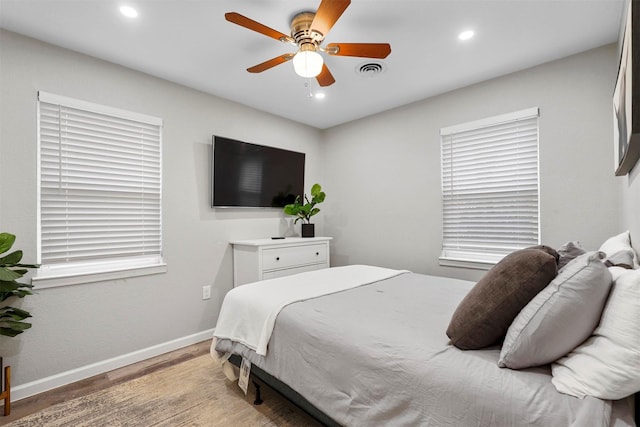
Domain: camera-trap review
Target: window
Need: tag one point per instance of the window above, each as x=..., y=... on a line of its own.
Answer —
x=489, y=188
x=99, y=195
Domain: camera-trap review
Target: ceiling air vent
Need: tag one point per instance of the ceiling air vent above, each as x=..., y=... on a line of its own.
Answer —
x=370, y=69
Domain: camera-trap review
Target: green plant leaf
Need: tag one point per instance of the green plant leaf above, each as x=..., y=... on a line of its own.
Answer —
x=8, y=332
x=6, y=295
x=28, y=265
x=12, y=259
x=6, y=241
x=12, y=328
x=14, y=289
x=8, y=275
x=11, y=318
x=291, y=209
x=9, y=286
x=18, y=293
x=17, y=326
x=12, y=313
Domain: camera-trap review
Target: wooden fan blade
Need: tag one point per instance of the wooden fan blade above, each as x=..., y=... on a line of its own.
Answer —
x=270, y=63
x=328, y=13
x=364, y=50
x=243, y=21
x=325, y=78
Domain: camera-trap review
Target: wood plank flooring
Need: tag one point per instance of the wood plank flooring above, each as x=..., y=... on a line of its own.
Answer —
x=35, y=404
x=40, y=401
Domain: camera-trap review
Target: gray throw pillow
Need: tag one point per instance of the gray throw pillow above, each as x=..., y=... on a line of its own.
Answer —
x=568, y=252
x=560, y=317
x=484, y=315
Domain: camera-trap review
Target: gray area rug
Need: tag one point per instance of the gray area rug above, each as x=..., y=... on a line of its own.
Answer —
x=192, y=393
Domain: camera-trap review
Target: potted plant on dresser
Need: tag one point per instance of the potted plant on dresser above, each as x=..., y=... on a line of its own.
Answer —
x=11, y=318
x=305, y=211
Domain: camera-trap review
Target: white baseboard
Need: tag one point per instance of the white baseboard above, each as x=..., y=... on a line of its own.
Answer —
x=29, y=389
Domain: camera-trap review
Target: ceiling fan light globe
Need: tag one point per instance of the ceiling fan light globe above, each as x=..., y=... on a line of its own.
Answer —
x=307, y=63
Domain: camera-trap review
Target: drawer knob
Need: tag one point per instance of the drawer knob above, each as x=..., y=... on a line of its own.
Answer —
x=277, y=258
x=317, y=253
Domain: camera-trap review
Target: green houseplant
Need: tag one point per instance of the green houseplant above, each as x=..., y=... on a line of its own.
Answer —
x=11, y=318
x=305, y=211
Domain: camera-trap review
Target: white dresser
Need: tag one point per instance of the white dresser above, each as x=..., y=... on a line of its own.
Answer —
x=261, y=259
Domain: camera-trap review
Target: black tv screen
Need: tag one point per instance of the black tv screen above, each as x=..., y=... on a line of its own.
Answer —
x=250, y=175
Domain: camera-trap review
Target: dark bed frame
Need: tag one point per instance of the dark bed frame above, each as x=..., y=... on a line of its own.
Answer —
x=292, y=396
x=285, y=391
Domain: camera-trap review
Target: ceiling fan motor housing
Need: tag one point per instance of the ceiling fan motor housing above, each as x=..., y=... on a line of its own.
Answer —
x=305, y=38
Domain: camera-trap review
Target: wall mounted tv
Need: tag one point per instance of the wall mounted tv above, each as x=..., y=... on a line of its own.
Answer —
x=250, y=175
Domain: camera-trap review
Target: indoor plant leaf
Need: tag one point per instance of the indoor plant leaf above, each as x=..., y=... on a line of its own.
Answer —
x=6, y=241
x=14, y=289
x=9, y=285
x=11, y=328
x=17, y=326
x=8, y=275
x=8, y=289
x=8, y=332
x=12, y=259
x=11, y=269
x=12, y=313
x=28, y=266
x=18, y=293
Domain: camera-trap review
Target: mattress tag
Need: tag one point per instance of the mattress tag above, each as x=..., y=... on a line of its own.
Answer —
x=245, y=370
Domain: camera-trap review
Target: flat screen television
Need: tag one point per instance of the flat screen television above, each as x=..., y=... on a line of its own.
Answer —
x=257, y=176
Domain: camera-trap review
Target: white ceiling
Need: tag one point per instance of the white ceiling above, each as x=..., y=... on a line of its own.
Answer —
x=190, y=42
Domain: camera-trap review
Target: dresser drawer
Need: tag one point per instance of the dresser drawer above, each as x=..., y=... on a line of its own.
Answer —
x=289, y=271
x=277, y=258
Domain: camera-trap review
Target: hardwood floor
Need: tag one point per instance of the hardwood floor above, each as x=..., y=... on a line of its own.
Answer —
x=41, y=401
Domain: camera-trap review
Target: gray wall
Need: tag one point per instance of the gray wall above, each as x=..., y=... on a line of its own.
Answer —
x=74, y=326
x=383, y=172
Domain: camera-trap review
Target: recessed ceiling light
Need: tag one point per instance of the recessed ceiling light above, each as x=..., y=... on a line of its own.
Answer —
x=319, y=95
x=128, y=11
x=465, y=35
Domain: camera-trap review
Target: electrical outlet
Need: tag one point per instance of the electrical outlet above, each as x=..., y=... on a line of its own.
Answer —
x=206, y=292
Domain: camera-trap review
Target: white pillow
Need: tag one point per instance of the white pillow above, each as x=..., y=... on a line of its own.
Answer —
x=618, y=243
x=607, y=364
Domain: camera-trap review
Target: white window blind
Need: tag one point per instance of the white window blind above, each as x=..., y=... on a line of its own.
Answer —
x=100, y=185
x=490, y=187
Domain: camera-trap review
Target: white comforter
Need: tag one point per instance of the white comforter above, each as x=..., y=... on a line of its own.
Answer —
x=249, y=312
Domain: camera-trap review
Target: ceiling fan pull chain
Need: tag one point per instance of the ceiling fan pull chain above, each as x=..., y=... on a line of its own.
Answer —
x=307, y=84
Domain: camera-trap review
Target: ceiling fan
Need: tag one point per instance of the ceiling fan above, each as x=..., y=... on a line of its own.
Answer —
x=308, y=31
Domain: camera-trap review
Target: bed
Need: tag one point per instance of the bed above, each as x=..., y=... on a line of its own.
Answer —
x=375, y=352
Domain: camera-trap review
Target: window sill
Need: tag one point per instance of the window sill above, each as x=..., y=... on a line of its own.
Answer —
x=466, y=263
x=54, y=280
